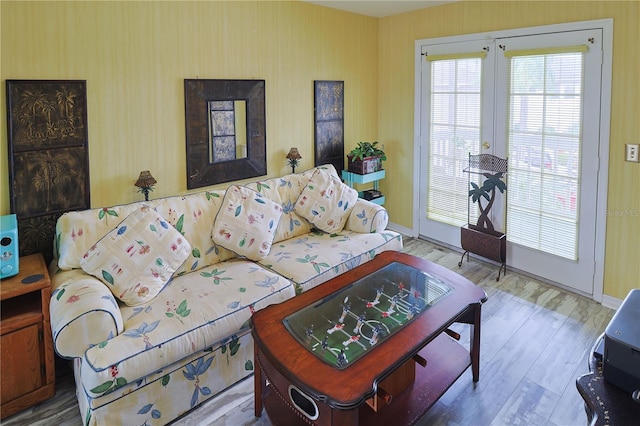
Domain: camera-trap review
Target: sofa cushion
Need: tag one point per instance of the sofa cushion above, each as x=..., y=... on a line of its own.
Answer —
x=285, y=191
x=246, y=222
x=138, y=257
x=193, y=216
x=195, y=311
x=314, y=258
x=77, y=231
x=326, y=202
x=329, y=168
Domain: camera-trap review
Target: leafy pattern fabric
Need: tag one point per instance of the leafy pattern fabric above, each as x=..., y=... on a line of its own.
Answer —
x=246, y=223
x=163, y=395
x=193, y=215
x=77, y=231
x=285, y=191
x=314, y=258
x=326, y=202
x=367, y=217
x=138, y=257
x=194, y=311
x=83, y=312
x=150, y=363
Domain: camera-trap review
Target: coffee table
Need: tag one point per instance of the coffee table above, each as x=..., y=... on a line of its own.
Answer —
x=371, y=346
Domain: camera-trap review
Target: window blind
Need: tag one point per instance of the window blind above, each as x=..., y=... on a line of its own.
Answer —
x=546, y=51
x=455, y=108
x=453, y=56
x=544, y=137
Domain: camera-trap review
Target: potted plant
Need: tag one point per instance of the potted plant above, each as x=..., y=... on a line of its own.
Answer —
x=365, y=158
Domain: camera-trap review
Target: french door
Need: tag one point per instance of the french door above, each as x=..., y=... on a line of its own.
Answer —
x=534, y=99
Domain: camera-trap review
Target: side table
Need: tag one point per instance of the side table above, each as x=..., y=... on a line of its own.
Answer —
x=351, y=178
x=604, y=403
x=26, y=344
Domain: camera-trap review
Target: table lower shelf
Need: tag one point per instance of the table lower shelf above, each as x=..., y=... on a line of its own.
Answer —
x=446, y=361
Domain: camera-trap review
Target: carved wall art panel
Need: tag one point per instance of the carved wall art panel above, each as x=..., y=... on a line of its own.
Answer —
x=48, y=156
x=329, y=123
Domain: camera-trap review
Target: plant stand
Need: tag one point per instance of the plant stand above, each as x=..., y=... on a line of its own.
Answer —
x=490, y=246
x=353, y=178
x=482, y=239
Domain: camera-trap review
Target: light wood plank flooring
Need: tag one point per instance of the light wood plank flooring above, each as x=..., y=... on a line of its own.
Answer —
x=535, y=343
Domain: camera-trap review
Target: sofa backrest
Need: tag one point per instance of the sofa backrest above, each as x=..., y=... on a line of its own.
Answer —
x=285, y=190
x=77, y=231
x=193, y=215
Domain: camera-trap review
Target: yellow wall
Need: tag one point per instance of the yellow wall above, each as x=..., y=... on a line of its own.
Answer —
x=397, y=35
x=136, y=55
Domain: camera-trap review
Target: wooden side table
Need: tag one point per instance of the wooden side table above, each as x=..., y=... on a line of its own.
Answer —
x=26, y=344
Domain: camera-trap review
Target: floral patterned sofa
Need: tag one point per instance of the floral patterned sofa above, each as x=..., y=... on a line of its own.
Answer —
x=151, y=300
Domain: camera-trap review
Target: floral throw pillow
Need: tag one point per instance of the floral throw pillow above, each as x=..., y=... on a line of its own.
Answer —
x=138, y=257
x=326, y=202
x=246, y=223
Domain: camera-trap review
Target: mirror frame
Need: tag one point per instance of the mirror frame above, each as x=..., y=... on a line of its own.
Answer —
x=200, y=171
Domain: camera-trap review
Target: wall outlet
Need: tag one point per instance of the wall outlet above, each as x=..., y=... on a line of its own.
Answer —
x=631, y=153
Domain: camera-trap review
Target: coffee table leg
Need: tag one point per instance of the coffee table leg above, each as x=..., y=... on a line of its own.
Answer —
x=475, y=343
x=258, y=383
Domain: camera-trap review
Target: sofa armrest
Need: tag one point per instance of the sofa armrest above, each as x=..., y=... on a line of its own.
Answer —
x=83, y=313
x=367, y=217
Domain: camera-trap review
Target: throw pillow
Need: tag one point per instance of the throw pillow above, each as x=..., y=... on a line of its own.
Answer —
x=246, y=223
x=138, y=257
x=326, y=202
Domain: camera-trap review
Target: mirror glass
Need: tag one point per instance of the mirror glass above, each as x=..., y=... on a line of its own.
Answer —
x=226, y=131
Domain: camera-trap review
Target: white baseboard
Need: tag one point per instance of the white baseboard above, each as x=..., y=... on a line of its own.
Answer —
x=401, y=229
x=607, y=301
x=611, y=302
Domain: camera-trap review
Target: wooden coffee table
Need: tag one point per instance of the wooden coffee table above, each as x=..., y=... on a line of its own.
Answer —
x=393, y=377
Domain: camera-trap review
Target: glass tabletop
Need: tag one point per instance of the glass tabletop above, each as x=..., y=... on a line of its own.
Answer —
x=345, y=325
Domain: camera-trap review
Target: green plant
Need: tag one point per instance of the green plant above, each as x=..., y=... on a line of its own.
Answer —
x=488, y=192
x=367, y=149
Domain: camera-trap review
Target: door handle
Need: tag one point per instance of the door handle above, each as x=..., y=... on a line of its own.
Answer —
x=486, y=145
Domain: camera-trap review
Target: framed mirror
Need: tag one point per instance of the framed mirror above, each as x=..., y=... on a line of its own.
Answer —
x=226, y=130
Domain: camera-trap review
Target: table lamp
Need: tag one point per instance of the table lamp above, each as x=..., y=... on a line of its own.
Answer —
x=293, y=156
x=145, y=182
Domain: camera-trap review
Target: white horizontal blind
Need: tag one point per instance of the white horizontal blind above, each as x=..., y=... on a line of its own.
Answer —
x=544, y=138
x=454, y=132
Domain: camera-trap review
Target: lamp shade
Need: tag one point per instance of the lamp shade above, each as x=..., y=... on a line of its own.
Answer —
x=293, y=154
x=145, y=180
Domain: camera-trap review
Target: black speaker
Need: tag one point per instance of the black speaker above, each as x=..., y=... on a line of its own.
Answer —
x=9, y=257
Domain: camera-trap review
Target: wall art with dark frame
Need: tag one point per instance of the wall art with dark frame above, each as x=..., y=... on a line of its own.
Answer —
x=48, y=157
x=218, y=151
x=329, y=123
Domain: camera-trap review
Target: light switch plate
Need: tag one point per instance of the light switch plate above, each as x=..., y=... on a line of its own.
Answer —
x=631, y=153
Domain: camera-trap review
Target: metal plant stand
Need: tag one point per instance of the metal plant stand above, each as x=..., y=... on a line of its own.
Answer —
x=481, y=238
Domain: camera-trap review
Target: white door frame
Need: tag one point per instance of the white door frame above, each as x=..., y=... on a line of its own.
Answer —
x=606, y=25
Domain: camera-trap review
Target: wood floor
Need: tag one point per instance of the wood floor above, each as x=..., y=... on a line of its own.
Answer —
x=535, y=343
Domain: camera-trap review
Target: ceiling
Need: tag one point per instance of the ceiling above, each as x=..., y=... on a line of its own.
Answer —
x=378, y=8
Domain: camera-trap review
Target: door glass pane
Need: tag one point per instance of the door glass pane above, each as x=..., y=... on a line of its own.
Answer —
x=545, y=99
x=454, y=132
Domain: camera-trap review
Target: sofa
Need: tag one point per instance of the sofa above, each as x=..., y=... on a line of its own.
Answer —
x=151, y=300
